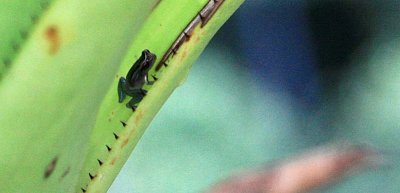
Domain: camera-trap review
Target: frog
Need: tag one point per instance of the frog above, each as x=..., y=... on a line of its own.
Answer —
x=136, y=78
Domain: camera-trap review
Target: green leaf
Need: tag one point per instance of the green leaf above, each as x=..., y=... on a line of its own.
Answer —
x=16, y=21
x=53, y=88
x=54, y=82
x=157, y=35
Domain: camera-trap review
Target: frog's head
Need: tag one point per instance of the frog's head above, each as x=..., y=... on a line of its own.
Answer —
x=149, y=59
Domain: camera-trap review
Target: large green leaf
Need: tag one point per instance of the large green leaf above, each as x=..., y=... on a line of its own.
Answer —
x=57, y=64
x=53, y=88
x=157, y=34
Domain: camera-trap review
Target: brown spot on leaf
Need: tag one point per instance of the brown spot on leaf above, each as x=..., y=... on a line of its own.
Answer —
x=124, y=143
x=113, y=161
x=139, y=116
x=50, y=168
x=184, y=54
x=65, y=173
x=52, y=35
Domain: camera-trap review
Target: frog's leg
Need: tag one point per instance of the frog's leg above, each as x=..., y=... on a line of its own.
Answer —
x=148, y=82
x=143, y=92
x=121, y=90
x=136, y=98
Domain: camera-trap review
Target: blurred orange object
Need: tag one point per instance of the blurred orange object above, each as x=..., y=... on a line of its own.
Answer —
x=303, y=173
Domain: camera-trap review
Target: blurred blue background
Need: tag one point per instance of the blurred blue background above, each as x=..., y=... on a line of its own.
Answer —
x=279, y=78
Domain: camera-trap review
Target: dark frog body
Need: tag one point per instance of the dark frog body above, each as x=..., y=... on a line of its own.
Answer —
x=136, y=78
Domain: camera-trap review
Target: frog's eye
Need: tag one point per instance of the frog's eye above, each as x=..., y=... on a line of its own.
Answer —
x=146, y=52
x=149, y=57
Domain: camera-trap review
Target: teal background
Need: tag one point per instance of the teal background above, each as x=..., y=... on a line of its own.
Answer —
x=212, y=125
x=300, y=75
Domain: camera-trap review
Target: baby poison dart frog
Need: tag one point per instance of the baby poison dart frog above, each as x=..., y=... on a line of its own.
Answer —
x=136, y=78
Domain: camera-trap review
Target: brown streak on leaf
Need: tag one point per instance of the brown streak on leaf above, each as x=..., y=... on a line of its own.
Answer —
x=124, y=143
x=114, y=160
x=139, y=116
x=53, y=37
x=50, y=168
x=184, y=54
x=65, y=173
